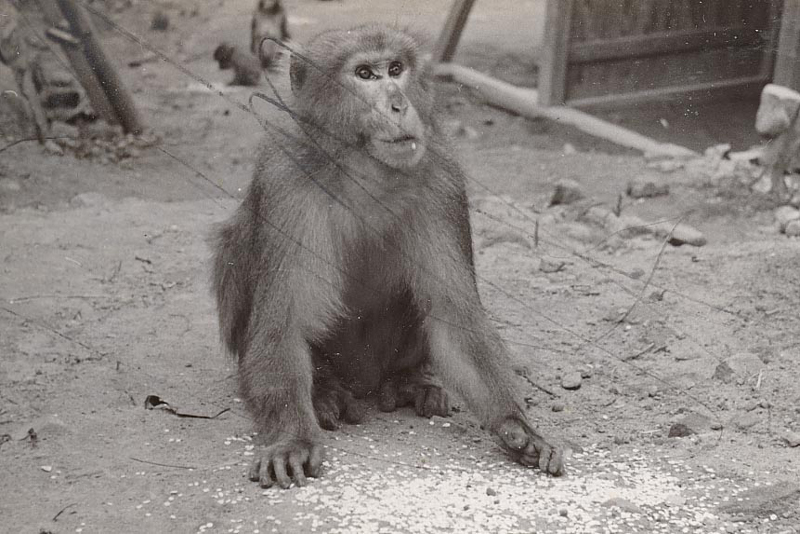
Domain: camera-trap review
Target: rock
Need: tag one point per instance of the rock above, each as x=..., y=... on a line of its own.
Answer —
x=558, y=406
x=785, y=214
x=666, y=165
x=160, y=21
x=772, y=499
x=681, y=234
x=723, y=373
x=549, y=266
x=745, y=363
x=679, y=430
x=504, y=235
x=777, y=109
x=491, y=492
x=745, y=421
x=569, y=149
x=646, y=189
x=792, y=439
x=566, y=192
x=623, y=504
x=9, y=185
x=571, y=380
x=52, y=148
x=696, y=423
x=792, y=228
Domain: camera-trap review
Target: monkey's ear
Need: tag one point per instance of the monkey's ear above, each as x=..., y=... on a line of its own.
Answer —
x=297, y=72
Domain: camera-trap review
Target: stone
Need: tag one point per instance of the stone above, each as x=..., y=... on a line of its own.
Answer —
x=785, y=214
x=723, y=373
x=566, y=192
x=777, y=109
x=792, y=439
x=745, y=421
x=571, y=380
x=646, y=189
x=792, y=228
x=773, y=499
x=679, y=430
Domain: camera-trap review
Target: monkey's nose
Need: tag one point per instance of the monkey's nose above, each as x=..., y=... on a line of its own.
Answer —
x=398, y=104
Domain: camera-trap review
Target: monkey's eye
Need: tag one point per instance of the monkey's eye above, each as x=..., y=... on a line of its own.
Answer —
x=395, y=69
x=364, y=72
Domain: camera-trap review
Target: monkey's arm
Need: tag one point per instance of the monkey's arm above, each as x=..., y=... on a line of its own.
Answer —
x=467, y=351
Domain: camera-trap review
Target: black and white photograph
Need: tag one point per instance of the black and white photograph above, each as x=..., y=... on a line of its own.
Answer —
x=400, y=266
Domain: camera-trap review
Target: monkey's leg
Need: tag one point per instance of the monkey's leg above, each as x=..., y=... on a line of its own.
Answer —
x=333, y=403
x=469, y=356
x=275, y=378
x=418, y=386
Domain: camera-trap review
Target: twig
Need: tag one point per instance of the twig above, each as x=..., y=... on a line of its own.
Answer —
x=163, y=465
x=641, y=352
x=55, y=517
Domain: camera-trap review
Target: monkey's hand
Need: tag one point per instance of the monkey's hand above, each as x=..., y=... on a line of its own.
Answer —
x=527, y=447
x=287, y=461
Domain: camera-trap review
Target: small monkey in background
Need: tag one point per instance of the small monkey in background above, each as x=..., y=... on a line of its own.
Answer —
x=269, y=22
x=246, y=69
x=348, y=268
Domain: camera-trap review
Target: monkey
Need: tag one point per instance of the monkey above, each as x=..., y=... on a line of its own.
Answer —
x=347, y=271
x=246, y=69
x=269, y=22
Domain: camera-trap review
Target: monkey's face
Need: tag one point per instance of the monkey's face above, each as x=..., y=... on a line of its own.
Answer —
x=389, y=121
x=365, y=87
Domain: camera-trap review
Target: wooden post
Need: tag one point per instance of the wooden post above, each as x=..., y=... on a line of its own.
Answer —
x=787, y=64
x=83, y=71
x=118, y=97
x=555, y=55
x=446, y=45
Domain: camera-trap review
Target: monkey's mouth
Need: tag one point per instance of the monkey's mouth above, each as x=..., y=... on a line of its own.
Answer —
x=402, y=142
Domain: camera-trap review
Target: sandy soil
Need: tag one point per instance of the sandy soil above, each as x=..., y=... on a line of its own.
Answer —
x=104, y=301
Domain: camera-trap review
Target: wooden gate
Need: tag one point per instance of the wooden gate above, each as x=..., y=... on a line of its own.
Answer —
x=622, y=51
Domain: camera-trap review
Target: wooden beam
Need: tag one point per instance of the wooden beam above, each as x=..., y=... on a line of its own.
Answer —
x=655, y=44
x=747, y=86
x=118, y=97
x=83, y=71
x=553, y=64
x=446, y=45
x=787, y=64
x=525, y=103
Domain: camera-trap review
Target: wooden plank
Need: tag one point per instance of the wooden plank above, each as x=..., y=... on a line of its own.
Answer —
x=748, y=85
x=445, y=47
x=525, y=102
x=83, y=71
x=118, y=97
x=553, y=64
x=787, y=63
x=654, y=44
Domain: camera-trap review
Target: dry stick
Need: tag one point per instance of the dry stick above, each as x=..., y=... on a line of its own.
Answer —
x=162, y=465
x=55, y=517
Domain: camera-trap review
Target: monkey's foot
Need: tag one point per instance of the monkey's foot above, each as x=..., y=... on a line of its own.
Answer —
x=285, y=462
x=429, y=399
x=527, y=447
x=333, y=404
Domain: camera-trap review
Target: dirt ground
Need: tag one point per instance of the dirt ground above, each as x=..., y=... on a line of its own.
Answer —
x=687, y=408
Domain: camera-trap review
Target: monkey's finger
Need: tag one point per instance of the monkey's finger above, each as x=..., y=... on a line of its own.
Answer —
x=253, y=473
x=296, y=461
x=281, y=476
x=556, y=464
x=264, y=478
x=314, y=462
